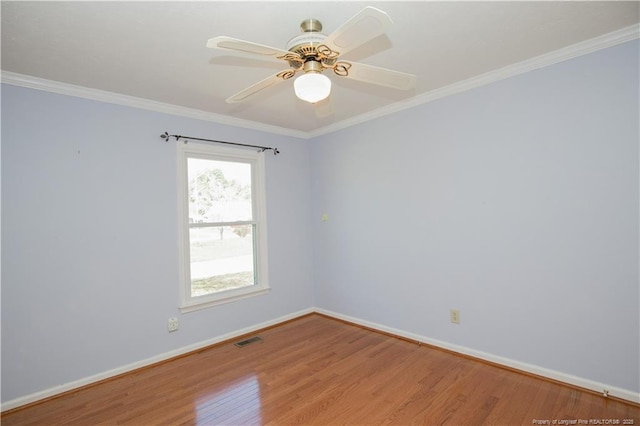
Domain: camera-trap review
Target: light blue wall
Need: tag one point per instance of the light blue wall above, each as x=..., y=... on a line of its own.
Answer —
x=89, y=238
x=516, y=203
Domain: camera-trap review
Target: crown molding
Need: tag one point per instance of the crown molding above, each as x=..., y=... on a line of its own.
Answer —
x=572, y=51
x=37, y=83
x=582, y=48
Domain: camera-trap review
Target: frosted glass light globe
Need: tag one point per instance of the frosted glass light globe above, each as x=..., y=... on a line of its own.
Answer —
x=312, y=87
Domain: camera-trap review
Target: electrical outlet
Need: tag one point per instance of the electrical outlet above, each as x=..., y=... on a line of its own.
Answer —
x=455, y=316
x=172, y=324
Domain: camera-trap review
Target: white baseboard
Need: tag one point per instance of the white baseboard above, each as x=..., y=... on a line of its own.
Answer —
x=517, y=365
x=145, y=362
x=529, y=368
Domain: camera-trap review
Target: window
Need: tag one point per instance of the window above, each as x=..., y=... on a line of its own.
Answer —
x=223, y=252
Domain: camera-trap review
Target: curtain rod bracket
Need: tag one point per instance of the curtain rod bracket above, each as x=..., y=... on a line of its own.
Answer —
x=166, y=136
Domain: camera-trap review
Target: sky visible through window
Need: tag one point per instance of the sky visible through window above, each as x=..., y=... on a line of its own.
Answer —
x=240, y=172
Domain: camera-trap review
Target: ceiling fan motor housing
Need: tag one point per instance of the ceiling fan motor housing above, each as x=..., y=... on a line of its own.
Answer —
x=306, y=44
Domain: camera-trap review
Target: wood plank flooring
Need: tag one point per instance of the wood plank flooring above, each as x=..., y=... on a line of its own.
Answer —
x=319, y=371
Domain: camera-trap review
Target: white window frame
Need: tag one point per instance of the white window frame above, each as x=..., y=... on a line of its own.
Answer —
x=258, y=194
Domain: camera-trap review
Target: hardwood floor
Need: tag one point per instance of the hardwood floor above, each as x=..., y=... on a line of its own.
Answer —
x=319, y=371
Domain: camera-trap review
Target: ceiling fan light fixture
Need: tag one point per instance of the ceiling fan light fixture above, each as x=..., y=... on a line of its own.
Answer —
x=312, y=87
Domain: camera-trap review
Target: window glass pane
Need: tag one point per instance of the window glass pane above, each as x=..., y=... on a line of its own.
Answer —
x=221, y=258
x=219, y=191
x=222, y=219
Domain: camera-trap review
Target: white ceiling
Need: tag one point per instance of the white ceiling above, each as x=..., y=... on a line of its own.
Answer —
x=156, y=50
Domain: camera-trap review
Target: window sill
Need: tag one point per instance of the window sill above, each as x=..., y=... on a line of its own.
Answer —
x=222, y=298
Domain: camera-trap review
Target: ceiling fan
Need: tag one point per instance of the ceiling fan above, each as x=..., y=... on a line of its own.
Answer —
x=313, y=52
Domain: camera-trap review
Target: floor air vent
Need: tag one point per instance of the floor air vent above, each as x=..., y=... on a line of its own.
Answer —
x=243, y=343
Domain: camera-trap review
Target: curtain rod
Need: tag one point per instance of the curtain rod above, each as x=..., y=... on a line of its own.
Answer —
x=166, y=136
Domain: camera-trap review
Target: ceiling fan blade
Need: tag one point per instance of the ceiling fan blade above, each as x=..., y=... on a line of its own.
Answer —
x=381, y=76
x=366, y=25
x=242, y=46
x=242, y=95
